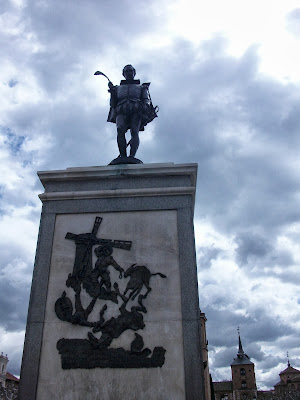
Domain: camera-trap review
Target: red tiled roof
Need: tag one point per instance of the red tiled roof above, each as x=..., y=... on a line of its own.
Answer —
x=11, y=377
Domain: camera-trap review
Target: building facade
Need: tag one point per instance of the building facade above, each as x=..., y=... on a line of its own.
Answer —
x=289, y=384
x=243, y=383
x=243, y=376
x=9, y=384
x=204, y=342
x=3, y=367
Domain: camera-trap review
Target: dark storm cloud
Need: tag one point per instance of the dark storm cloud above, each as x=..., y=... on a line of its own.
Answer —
x=224, y=357
x=253, y=249
x=269, y=361
x=264, y=328
x=250, y=245
x=71, y=32
x=290, y=343
x=257, y=326
x=206, y=255
x=14, y=303
x=90, y=23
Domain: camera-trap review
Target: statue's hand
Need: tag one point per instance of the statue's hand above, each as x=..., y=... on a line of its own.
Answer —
x=110, y=85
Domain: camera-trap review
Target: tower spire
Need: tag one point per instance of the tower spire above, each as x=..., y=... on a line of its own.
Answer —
x=287, y=354
x=241, y=358
x=241, y=351
x=243, y=375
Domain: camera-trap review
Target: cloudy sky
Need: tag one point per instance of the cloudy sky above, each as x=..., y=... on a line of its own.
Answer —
x=226, y=76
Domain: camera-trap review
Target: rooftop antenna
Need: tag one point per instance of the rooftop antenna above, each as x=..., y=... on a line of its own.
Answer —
x=287, y=354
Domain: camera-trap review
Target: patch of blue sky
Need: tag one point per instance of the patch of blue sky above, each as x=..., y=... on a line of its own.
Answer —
x=12, y=83
x=13, y=141
x=26, y=163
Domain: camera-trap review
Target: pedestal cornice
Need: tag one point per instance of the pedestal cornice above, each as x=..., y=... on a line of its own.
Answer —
x=166, y=179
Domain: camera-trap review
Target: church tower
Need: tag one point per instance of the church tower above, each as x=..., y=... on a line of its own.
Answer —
x=243, y=376
x=3, y=365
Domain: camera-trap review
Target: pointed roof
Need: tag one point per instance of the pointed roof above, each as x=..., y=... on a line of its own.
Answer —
x=289, y=370
x=241, y=351
x=242, y=358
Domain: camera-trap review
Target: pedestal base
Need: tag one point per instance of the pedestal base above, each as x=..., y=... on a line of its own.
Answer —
x=125, y=160
x=114, y=310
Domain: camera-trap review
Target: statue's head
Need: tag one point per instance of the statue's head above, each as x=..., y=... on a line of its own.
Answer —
x=103, y=251
x=129, y=72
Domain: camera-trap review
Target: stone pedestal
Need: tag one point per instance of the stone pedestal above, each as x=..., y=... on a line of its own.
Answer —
x=114, y=310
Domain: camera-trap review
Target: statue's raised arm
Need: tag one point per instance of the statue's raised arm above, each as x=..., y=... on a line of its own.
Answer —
x=131, y=109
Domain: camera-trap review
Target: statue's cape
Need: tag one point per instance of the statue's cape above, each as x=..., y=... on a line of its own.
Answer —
x=112, y=111
x=111, y=115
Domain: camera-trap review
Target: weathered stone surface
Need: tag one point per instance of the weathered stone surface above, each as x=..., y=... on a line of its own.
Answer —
x=155, y=245
x=152, y=206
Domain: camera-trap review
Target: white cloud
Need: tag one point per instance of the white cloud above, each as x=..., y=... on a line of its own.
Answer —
x=12, y=342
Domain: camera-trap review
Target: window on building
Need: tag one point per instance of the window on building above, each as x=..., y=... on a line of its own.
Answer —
x=244, y=384
x=244, y=396
x=2, y=368
x=243, y=371
x=224, y=397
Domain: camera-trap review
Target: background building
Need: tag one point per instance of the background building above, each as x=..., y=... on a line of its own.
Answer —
x=204, y=342
x=243, y=376
x=289, y=384
x=8, y=382
x=3, y=366
x=243, y=383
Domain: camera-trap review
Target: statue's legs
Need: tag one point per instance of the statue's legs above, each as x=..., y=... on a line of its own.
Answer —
x=123, y=122
x=134, y=130
x=121, y=129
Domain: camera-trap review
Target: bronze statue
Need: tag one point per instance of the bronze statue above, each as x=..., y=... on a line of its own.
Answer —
x=130, y=108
